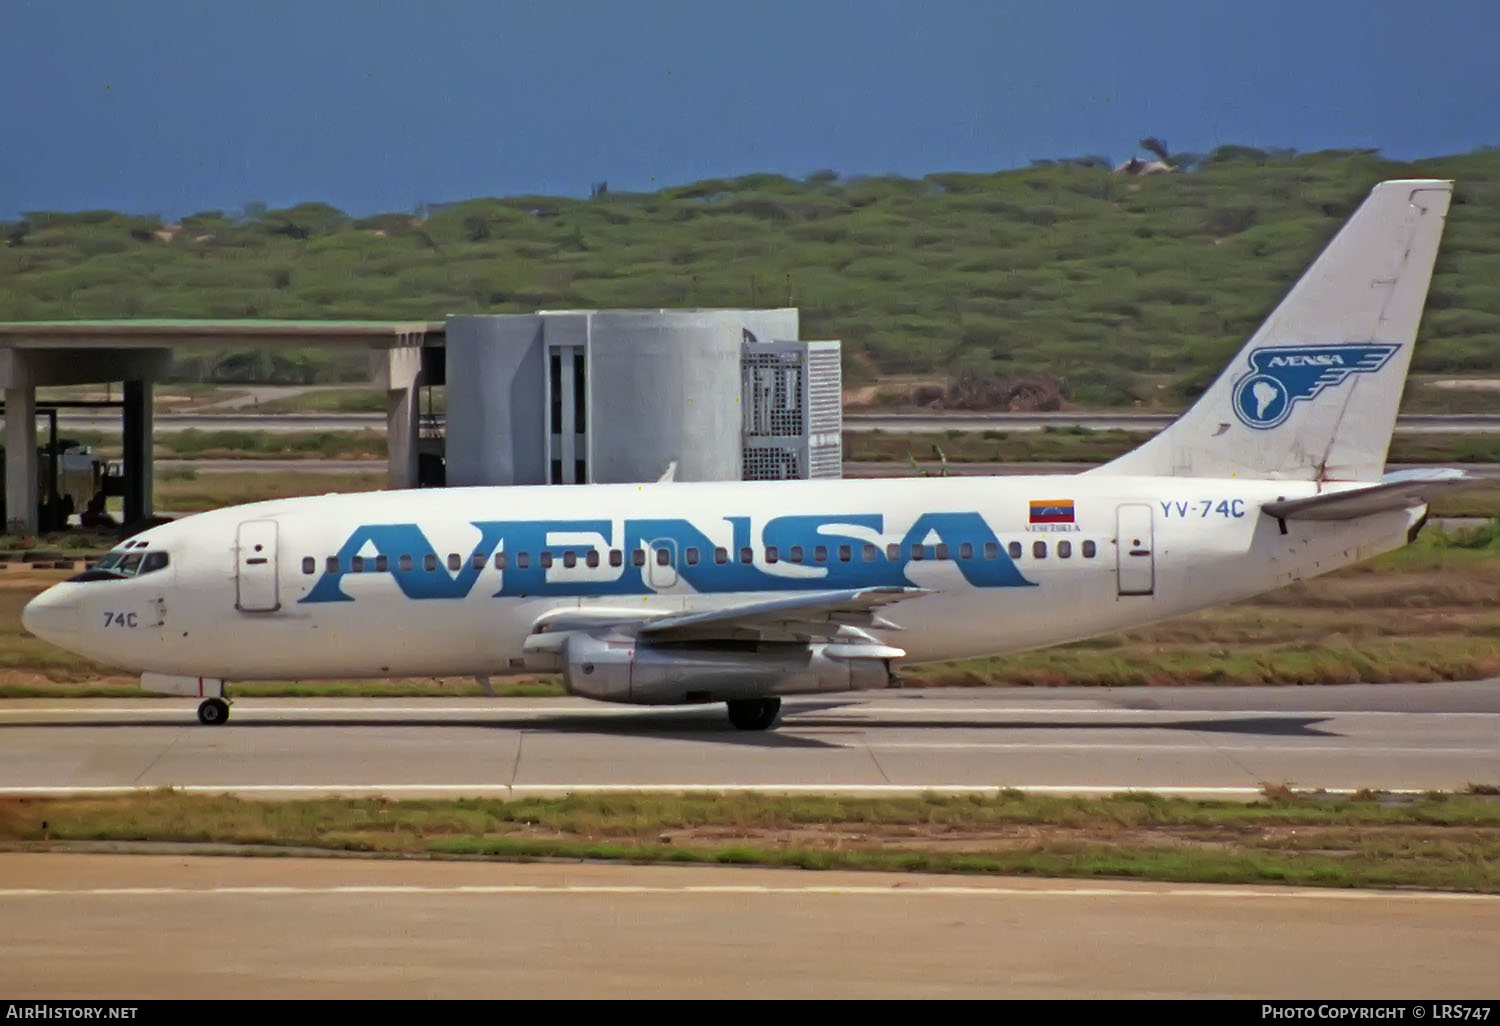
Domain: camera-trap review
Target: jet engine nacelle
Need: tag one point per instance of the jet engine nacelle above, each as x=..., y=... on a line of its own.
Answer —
x=621, y=670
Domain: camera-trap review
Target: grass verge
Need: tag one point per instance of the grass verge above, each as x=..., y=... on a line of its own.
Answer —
x=1437, y=841
x=190, y=494
x=1084, y=445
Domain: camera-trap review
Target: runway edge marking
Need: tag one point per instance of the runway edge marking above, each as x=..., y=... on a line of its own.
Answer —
x=561, y=789
x=755, y=889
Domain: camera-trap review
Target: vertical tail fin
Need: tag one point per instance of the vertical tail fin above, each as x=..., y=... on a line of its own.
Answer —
x=1313, y=394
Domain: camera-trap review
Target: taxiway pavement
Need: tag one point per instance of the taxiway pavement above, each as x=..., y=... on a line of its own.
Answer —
x=123, y=927
x=1208, y=741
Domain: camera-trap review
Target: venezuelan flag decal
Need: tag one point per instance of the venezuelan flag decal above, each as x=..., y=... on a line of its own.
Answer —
x=1051, y=511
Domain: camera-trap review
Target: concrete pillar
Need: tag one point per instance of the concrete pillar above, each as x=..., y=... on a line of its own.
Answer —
x=402, y=376
x=20, y=460
x=136, y=431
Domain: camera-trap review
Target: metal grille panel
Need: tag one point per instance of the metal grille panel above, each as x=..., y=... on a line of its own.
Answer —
x=793, y=410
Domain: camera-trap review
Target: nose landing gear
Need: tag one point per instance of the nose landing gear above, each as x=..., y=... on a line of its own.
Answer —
x=213, y=712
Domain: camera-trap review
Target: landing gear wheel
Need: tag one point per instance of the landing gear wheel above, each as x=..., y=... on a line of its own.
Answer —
x=754, y=713
x=213, y=712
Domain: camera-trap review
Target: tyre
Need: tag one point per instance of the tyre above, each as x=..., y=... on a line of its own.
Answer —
x=754, y=713
x=213, y=712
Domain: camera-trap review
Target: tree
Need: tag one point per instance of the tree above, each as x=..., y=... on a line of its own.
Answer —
x=1158, y=147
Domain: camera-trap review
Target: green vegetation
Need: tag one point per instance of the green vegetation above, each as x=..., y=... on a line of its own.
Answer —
x=194, y=444
x=1449, y=842
x=340, y=400
x=1129, y=290
x=1051, y=445
x=181, y=493
x=1083, y=445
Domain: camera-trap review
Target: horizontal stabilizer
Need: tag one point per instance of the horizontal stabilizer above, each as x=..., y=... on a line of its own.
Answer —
x=1396, y=491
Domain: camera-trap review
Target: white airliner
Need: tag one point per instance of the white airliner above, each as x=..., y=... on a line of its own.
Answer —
x=669, y=593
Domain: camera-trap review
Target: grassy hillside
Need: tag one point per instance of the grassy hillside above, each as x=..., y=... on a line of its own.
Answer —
x=1128, y=289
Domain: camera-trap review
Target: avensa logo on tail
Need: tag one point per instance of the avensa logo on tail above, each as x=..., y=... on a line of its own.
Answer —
x=1282, y=376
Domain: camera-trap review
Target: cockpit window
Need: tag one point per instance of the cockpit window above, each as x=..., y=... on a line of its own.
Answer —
x=117, y=566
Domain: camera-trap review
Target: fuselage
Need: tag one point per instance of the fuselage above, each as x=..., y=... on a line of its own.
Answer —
x=451, y=582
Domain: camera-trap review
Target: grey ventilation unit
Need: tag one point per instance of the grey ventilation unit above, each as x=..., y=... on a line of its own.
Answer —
x=793, y=411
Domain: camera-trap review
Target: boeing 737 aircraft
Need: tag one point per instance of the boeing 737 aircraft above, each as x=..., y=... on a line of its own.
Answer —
x=741, y=592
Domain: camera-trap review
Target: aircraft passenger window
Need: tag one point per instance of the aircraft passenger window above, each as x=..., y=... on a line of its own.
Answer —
x=403, y=563
x=158, y=560
x=591, y=558
x=1088, y=550
x=870, y=552
x=544, y=560
x=477, y=561
x=771, y=554
x=309, y=565
x=616, y=557
x=918, y=552
x=820, y=554
x=1039, y=549
x=500, y=561
x=332, y=565
x=845, y=554
x=454, y=562
x=570, y=559
x=692, y=557
x=942, y=552
x=966, y=550
x=794, y=554
x=1064, y=549
x=893, y=552
x=429, y=561
x=382, y=564
x=721, y=555
x=523, y=560
x=1014, y=548
x=992, y=550
x=747, y=555
x=663, y=557
x=357, y=565
x=638, y=557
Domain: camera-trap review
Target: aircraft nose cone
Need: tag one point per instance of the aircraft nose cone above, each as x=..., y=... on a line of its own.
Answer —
x=50, y=616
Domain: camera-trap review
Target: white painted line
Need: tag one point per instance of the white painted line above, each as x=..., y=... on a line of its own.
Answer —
x=49, y=790
x=1374, y=751
x=1111, y=711
x=243, y=708
x=136, y=709
x=898, y=891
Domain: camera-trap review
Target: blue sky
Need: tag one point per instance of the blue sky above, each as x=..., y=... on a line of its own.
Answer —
x=170, y=106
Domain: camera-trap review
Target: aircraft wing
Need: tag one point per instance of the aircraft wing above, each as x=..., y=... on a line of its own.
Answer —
x=1401, y=490
x=816, y=615
x=801, y=617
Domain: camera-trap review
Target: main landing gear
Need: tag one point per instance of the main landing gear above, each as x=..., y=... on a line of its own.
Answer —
x=754, y=713
x=213, y=712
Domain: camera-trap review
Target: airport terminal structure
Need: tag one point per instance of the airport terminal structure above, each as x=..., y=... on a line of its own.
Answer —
x=558, y=397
